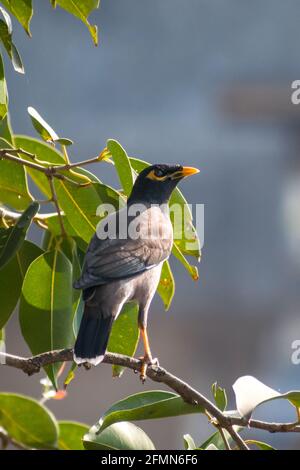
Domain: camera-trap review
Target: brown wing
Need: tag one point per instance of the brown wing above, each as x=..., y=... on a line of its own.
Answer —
x=149, y=243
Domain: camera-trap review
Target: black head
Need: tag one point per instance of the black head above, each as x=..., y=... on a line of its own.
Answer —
x=155, y=183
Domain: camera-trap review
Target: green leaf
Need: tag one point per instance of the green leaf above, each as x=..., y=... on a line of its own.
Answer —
x=251, y=393
x=41, y=126
x=70, y=375
x=109, y=195
x=13, y=238
x=192, y=270
x=52, y=222
x=216, y=440
x=45, y=153
x=22, y=10
x=185, y=234
x=2, y=340
x=6, y=38
x=219, y=396
x=122, y=165
x=6, y=132
x=119, y=436
x=2, y=334
x=76, y=272
x=125, y=334
x=166, y=286
x=48, y=309
x=27, y=421
x=82, y=9
x=63, y=141
x=148, y=405
x=211, y=447
x=13, y=183
x=3, y=91
x=78, y=316
x=261, y=445
x=80, y=205
x=11, y=278
x=71, y=435
x=189, y=443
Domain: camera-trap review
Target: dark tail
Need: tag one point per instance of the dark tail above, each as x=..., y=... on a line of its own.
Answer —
x=93, y=336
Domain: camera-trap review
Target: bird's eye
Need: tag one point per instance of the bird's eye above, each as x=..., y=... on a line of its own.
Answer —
x=159, y=173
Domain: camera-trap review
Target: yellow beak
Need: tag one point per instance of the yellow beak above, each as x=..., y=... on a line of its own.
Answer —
x=189, y=171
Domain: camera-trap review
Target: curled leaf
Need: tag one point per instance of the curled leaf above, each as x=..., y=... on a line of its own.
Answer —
x=250, y=393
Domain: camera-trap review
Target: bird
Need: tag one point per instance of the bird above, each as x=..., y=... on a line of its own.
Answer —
x=123, y=262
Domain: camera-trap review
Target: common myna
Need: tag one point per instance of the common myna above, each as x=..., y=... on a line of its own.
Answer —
x=125, y=265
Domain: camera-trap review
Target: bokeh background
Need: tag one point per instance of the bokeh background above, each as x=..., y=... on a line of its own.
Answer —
x=205, y=83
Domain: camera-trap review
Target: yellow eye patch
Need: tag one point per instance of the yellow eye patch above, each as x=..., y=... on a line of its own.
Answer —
x=154, y=177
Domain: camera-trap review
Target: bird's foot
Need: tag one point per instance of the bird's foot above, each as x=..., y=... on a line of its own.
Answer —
x=146, y=362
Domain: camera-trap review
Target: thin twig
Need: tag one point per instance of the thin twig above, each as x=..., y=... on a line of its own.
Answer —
x=21, y=161
x=17, y=151
x=68, y=166
x=225, y=440
x=266, y=426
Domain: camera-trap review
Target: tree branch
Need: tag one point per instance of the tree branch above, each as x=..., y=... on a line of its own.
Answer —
x=34, y=364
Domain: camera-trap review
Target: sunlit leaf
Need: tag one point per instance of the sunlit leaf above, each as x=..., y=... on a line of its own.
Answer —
x=80, y=205
x=122, y=165
x=3, y=92
x=82, y=9
x=219, y=396
x=41, y=126
x=70, y=375
x=166, y=286
x=22, y=10
x=192, y=270
x=14, y=190
x=6, y=38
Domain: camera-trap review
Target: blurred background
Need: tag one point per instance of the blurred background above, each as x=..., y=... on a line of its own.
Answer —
x=207, y=84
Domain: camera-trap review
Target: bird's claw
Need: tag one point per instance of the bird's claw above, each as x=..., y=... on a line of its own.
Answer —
x=146, y=362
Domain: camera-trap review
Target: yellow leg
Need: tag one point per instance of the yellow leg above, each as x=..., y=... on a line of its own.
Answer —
x=147, y=359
